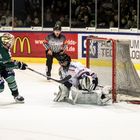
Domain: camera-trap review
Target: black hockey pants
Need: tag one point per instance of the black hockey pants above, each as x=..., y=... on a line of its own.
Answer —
x=49, y=61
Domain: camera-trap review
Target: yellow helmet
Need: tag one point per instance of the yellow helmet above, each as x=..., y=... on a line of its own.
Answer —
x=7, y=40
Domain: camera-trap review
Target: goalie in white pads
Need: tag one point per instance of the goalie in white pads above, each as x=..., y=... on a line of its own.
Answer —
x=83, y=84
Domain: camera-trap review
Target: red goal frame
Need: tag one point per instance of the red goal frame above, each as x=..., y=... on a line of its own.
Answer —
x=114, y=94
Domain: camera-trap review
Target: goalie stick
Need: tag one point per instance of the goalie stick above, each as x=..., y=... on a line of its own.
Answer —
x=58, y=81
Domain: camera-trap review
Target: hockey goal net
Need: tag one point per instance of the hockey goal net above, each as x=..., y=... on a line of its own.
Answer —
x=110, y=59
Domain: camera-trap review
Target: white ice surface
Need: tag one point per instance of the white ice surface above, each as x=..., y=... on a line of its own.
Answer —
x=39, y=118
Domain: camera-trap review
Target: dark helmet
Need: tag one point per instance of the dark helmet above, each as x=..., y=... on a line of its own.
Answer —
x=57, y=27
x=64, y=58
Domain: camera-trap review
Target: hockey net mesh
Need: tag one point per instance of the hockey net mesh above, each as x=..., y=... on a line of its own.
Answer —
x=110, y=59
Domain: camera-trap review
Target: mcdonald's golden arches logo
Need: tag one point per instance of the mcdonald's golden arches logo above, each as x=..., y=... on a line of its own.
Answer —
x=22, y=42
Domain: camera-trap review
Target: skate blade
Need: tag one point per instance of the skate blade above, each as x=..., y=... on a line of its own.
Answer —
x=19, y=102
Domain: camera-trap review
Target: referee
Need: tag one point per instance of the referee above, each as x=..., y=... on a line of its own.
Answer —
x=55, y=45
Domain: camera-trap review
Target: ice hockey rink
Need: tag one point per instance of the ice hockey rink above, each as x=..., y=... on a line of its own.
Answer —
x=39, y=118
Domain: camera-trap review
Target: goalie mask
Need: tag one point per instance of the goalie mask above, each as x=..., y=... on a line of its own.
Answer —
x=86, y=83
x=64, y=60
x=7, y=40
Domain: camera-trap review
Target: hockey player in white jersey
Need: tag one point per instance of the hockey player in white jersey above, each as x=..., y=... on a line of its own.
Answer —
x=83, y=85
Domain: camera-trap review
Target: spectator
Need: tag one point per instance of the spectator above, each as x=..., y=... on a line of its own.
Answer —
x=86, y=21
x=3, y=21
x=36, y=22
x=123, y=23
x=48, y=20
x=20, y=23
x=111, y=24
x=83, y=9
x=128, y=25
x=28, y=21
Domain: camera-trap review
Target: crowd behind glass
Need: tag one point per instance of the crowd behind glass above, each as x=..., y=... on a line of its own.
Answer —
x=123, y=14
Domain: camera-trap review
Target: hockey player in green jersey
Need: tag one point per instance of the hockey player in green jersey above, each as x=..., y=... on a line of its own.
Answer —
x=7, y=65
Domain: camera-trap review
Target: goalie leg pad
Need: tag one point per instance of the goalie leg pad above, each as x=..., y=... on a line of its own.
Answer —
x=63, y=93
x=85, y=97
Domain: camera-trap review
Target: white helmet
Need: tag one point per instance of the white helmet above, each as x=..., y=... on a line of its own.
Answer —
x=86, y=83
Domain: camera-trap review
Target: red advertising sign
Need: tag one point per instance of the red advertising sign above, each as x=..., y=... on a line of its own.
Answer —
x=29, y=44
x=72, y=40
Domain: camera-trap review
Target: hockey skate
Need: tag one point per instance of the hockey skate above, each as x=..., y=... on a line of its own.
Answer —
x=105, y=99
x=19, y=99
x=106, y=95
x=48, y=75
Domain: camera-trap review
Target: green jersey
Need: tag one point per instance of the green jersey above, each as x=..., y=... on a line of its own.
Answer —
x=5, y=58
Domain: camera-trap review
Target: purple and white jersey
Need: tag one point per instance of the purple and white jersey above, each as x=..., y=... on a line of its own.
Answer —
x=76, y=69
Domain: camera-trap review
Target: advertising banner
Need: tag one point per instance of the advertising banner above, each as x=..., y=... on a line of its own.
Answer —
x=93, y=48
x=29, y=44
x=72, y=40
x=135, y=49
x=104, y=50
x=98, y=49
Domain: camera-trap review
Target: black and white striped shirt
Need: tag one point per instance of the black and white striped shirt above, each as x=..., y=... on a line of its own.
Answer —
x=55, y=44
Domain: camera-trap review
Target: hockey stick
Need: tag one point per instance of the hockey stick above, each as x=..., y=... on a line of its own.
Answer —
x=59, y=81
x=100, y=86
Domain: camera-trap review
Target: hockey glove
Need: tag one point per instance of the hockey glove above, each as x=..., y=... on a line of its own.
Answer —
x=46, y=45
x=22, y=66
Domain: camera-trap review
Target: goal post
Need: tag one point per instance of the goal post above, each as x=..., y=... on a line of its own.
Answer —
x=110, y=59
